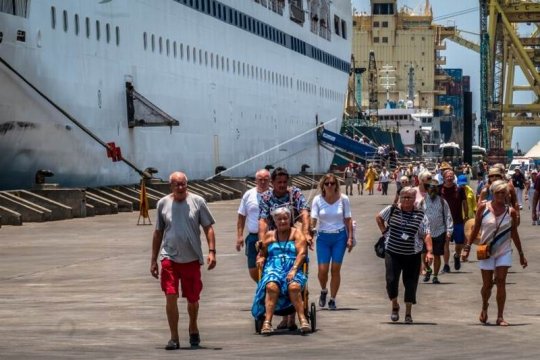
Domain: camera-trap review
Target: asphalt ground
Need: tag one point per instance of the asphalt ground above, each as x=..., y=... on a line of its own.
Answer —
x=81, y=289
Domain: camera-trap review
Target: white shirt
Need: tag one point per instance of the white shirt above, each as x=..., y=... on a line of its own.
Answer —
x=249, y=207
x=330, y=217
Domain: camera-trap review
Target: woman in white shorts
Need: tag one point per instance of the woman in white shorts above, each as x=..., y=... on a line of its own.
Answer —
x=498, y=224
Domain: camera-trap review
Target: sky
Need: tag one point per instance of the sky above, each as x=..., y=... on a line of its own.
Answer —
x=461, y=57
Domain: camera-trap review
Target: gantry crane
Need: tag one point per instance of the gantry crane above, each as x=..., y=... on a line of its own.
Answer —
x=502, y=50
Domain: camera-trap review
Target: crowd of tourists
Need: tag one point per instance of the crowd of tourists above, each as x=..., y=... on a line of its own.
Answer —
x=431, y=210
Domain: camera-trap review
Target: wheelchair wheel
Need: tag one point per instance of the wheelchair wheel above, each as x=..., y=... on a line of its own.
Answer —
x=258, y=325
x=313, y=317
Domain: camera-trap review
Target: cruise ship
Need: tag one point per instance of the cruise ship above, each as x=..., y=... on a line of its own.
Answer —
x=97, y=91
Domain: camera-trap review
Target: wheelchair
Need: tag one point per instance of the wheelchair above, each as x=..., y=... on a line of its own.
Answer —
x=310, y=310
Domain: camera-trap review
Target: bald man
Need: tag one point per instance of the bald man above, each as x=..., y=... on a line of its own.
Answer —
x=177, y=242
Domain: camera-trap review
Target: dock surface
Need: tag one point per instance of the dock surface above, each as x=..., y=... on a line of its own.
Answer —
x=81, y=289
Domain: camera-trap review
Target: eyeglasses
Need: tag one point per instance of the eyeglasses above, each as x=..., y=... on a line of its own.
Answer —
x=406, y=198
x=494, y=176
x=178, y=184
x=329, y=183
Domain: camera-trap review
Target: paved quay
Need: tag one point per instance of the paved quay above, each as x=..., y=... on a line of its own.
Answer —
x=81, y=289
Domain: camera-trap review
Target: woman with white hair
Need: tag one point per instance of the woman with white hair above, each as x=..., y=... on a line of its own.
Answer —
x=406, y=229
x=497, y=223
x=283, y=251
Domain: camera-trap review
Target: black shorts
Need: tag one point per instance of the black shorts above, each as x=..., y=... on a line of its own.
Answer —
x=438, y=244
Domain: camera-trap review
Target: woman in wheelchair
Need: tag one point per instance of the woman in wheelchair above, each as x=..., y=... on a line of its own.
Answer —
x=283, y=252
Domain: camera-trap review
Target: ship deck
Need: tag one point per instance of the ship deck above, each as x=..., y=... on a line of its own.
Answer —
x=81, y=289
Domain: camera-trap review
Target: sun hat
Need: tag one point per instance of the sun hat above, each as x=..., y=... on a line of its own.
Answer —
x=445, y=166
x=494, y=170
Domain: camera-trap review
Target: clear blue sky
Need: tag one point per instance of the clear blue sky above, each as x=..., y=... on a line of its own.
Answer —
x=460, y=57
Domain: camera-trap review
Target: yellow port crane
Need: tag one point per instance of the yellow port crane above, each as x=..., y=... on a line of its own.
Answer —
x=507, y=51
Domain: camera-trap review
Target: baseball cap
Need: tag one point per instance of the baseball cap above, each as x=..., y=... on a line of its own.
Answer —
x=462, y=180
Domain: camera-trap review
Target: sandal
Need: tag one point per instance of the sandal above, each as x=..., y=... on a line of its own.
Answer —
x=395, y=314
x=304, y=326
x=267, y=328
x=483, y=318
x=408, y=319
x=502, y=322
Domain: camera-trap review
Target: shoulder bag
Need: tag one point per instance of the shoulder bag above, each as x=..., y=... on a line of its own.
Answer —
x=379, y=246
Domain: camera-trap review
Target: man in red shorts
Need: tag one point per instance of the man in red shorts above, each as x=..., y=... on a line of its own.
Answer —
x=177, y=242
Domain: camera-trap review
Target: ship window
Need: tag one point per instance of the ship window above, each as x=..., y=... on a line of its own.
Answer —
x=376, y=39
x=174, y=49
x=194, y=55
x=181, y=51
x=160, y=44
x=219, y=11
x=385, y=24
x=98, y=30
x=117, y=36
x=234, y=66
x=145, y=40
x=227, y=64
x=206, y=58
x=76, y=24
x=187, y=52
x=337, y=23
x=197, y=5
x=168, y=47
x=244, y=69
x=200, y=57
x=87, y=23
x=65, y=18
x=375, y=24
x=344, y=29
x=223, y=63
x=153, y=42
x=108, y=33
x=385, y=39
x=53, y=17
x=213, y=8
x=235, y=18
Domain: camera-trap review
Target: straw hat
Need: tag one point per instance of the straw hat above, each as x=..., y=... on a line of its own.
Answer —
x=445, y=166
x=495, y=171
x=469, y=225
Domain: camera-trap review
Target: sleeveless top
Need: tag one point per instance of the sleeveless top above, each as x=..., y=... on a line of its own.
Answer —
x=503, y=242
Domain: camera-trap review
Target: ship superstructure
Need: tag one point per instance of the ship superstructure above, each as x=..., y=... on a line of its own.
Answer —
x=228, y=79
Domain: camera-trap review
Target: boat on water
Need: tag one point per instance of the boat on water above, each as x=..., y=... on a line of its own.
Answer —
x=98, y=90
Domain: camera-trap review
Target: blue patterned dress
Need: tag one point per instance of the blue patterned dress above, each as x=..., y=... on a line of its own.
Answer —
x=280, y=260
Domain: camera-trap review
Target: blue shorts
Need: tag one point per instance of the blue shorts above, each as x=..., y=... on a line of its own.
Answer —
x=458, y=236
x=251, y=251
x=331, y=246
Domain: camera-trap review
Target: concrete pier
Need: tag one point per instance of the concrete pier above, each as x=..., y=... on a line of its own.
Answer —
x=81, y=289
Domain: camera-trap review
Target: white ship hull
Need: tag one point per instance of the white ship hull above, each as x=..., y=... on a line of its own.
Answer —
x=225, y=117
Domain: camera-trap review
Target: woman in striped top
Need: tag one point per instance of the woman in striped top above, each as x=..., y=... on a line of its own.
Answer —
x=407, y=230
x=498, y=223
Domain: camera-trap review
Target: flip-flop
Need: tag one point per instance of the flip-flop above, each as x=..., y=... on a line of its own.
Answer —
x=502, y=322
